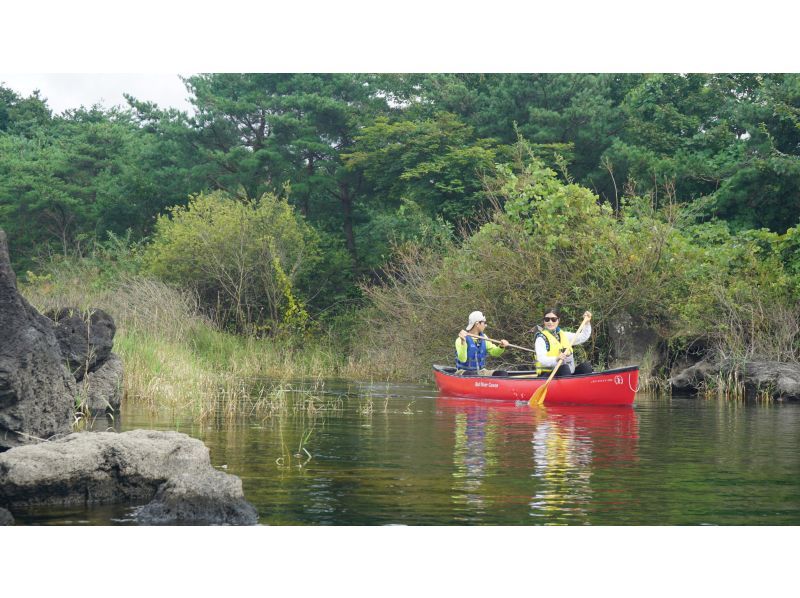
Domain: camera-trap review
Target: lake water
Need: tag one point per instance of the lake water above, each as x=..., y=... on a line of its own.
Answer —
x=378, y=454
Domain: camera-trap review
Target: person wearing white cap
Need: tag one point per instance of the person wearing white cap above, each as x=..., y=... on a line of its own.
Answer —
x=470, y=351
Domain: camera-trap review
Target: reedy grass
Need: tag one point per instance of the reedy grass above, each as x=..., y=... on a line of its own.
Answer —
x=724, y=386
x=176, y=360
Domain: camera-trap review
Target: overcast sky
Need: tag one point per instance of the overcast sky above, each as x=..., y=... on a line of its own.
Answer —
x=363, y=36
x=65, y=91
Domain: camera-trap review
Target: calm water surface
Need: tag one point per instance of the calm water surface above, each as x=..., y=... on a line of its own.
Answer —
x=361, y=454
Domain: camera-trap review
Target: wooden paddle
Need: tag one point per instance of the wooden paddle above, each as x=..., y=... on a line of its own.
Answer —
x=537, y=398
x=498, y=343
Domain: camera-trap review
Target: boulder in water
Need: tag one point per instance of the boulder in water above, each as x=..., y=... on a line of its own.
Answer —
x=86, y=468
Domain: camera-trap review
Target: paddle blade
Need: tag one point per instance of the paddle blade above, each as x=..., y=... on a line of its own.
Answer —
x=537, y=398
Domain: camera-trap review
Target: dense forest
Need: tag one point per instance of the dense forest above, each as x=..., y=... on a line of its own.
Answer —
x=289, y=202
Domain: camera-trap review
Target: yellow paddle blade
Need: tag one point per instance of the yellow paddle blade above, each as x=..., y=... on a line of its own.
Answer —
x=537, y=398
x=542, y=396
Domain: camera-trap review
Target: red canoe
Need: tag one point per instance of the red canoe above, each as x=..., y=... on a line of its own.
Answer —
x=612, y=387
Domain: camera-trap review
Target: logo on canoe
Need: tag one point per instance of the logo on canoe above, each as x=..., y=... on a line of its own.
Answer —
x=486, y=385
x=617, y=379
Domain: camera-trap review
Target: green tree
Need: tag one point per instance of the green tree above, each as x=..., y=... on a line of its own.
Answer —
x=22, y=116
x=436, y=163
x=575, y=116
x=242, y=256
x=264, y=130
x=87, y=172
x=727, y=142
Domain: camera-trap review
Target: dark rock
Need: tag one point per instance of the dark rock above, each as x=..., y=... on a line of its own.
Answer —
x=36, y=391
x=105, y=467
x=778, y=380
x=85, y=338
x=633, y=342
x=692, y=377
x=211, y=498
x=101, y=390
x=6, y=518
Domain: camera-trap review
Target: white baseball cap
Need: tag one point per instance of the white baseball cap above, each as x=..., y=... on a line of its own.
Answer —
x=474, y=318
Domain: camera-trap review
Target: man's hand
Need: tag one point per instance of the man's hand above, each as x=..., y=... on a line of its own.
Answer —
x=504, y=343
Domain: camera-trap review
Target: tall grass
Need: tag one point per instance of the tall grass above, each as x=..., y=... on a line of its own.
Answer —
x=177, y=360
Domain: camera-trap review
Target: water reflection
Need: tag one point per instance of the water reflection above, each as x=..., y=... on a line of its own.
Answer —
x=470, y=455
x=389, y=454
x=566, y=444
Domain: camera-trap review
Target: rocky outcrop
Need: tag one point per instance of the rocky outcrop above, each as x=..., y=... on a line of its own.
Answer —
x=6, y=518
x=212, y=498
x=778, y=380
x=169, y=468
x=37, y=392
x=102, y=389
x=692, y=377
x=631, y=340
x=782, y=380
x=85, y=338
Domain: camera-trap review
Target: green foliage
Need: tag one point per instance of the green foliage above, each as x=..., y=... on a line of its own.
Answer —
x=262, y=131
x=242, y=256
x=385, y=231
x=556, y=245
x=574, y=115
x=25, y=117
x=84, y=174
x=732, y=138
x=437, y=163
x=101, y=267
x=700, y=170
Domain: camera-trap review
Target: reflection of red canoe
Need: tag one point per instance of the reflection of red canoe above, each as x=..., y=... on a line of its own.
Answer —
x=612, y=387
x=612, y=429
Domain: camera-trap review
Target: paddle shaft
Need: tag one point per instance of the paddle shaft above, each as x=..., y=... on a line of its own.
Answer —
x=498, y=342
x=577, y=332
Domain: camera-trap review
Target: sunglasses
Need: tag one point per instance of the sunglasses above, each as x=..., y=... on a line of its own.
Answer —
x=481, y=321
x=549, y=319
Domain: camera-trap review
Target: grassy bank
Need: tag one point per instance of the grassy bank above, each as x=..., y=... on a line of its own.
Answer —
x=176, y=359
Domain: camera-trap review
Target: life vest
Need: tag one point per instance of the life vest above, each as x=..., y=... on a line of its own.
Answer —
x=554, y=343
x=476, y=355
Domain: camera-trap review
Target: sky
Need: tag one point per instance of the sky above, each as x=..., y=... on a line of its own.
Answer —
x=64, y=91
x=63, y=54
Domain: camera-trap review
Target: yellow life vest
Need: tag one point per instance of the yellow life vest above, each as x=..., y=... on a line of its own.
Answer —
x=554, y=345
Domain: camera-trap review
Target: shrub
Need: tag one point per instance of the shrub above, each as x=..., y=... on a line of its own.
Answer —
x=243, y=257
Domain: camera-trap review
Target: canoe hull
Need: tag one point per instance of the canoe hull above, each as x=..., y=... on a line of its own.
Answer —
x=612, y=387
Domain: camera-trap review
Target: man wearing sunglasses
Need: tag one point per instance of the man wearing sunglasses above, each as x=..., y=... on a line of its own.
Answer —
x=471, y=352
x=551, y=346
